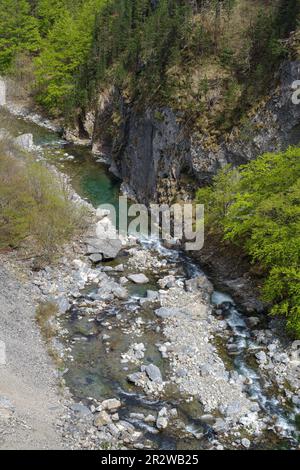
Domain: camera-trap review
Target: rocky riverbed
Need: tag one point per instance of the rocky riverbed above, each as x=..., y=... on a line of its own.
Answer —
x=159, y=331
x=150, y=356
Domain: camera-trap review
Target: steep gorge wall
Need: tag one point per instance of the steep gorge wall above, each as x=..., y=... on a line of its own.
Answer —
x=160, y=160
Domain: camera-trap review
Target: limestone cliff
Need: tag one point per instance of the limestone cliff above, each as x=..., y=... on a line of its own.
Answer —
x=159, y=159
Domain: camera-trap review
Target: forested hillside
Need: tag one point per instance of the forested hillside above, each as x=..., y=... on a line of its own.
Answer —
x=163, y=51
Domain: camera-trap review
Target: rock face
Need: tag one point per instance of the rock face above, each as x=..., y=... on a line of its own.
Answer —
x=151, y=150
x=155, y=153
x=274, y=127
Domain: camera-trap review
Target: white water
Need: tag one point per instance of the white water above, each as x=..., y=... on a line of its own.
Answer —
x=242, y=339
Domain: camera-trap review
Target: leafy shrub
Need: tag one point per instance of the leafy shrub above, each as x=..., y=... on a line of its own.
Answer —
x=258, y=208
x=35, y=209
x=18, y=31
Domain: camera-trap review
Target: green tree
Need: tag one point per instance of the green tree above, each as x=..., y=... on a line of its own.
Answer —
x=18, y=31
x=258, y=208
x=63, y=52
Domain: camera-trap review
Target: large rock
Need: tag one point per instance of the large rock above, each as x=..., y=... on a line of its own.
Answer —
x=108, y=248
x=138, y=278
x=96, y=258
x=162, y=423
x=111, y=405
x=63, y=304
x=136, y=378
x=81, y=410
x=152, y=295
x=25, y=141
x=165, y=312
x=153, y=373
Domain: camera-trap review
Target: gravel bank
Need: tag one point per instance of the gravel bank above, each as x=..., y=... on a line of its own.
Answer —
x=29, y=401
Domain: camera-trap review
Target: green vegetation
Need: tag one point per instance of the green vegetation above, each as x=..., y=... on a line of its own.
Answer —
x=35, y=210
x=184, y=53
x=258, y=208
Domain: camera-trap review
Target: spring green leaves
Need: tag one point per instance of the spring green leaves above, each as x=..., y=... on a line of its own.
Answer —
x=258, y=208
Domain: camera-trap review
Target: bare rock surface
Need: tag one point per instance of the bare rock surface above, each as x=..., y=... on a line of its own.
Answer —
x=29, y=402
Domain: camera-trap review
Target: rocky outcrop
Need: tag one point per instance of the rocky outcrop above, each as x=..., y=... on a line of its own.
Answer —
x=152, y=152
x=273, y=126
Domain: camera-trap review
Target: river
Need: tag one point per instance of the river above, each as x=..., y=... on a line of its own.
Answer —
x=94, y=367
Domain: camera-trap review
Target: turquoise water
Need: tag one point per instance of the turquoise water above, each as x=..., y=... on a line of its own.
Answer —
x=90, y=179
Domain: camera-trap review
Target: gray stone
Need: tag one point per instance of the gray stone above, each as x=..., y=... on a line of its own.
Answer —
x=153, y=373
x=138, y=278
x=162, y=422
x=113, y=430
x=111, y=405
x=91, y=250
x=220, y=425
x=209, y=419
x=121, y=293
x=109, y=248
x=138, y=416
x=165, y=312
x=246, y=443
x=95, y=258
x=150, y=419
x=119, y=268
x=152, y=295
x=253, y=321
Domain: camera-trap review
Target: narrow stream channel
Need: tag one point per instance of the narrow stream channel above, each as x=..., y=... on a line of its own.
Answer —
x=95, y=373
